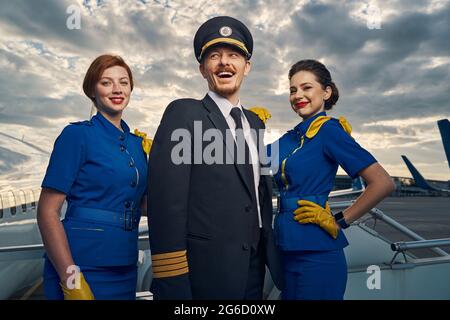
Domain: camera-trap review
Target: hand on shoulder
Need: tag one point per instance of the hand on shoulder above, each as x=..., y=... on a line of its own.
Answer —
x=261, y=112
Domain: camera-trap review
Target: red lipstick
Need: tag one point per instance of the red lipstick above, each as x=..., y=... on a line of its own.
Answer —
x=301, y=104
x=117, y=100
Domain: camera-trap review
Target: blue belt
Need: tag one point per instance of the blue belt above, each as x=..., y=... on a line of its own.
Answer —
x=128, y=219
x=290, y=204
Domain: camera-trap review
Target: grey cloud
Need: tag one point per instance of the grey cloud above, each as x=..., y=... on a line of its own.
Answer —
x=380, y=129
x=439, y=32
x=44, y=19
x=401, y=140
x=370, y=82
x=24, y=119
x=326, y=30
x=328, y=27
x=403, y=36
x=42, y=112
x=9, y=159
x=154, y=31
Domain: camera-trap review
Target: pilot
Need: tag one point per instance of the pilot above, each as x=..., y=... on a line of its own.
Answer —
x=309, y=236
x=99, y=167
x=210, y=224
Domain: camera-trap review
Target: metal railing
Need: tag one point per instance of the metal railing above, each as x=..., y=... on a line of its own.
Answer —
x=419, y=244
x=403, y=246
x=380, y=215
x=29, y=247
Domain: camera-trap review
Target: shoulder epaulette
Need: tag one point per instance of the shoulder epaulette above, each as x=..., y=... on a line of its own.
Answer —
x=315, y=126
x=345, y=125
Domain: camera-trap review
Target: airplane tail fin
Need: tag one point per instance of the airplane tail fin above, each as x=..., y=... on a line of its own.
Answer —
x=418, y=178
x=444, y=128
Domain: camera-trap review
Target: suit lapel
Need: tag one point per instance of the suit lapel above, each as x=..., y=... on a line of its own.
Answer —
x=218, y=120
x=253, y=125
x=256, y=125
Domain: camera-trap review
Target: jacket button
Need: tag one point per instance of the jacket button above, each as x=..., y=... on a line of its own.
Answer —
x=133, y=184
x=131, y=164
x=122, y=148
x=121, y=138
x=127, y=204
x=245, y=247
x=248, y=208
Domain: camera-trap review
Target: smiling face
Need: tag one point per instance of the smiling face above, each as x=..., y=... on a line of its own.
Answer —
x=307, y=96
x=112, y=91
x=224, y=68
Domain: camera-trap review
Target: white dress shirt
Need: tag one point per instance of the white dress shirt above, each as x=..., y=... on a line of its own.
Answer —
x=225, y=107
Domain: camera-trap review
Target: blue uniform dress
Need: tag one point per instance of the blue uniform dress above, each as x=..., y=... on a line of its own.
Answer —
x=103, y=172
x=314, y=262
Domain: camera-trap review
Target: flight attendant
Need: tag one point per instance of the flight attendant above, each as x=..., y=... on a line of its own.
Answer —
x=310, y=237
x=100, y=169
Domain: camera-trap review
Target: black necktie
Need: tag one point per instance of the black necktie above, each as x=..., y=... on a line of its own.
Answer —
x=236, y=114
x=241, y=144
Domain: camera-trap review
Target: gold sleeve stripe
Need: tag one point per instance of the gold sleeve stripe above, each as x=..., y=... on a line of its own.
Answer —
x=171, y=273
x=169, y=267
x=174, y=254
x=165, y=262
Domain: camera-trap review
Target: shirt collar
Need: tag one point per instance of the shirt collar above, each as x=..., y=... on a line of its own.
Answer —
x=110, y=129
x=224, y=104
x=304, y=125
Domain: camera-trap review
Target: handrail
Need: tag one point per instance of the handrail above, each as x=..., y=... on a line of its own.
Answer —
x=378, y=214
x=419, y=244
x=28, y=247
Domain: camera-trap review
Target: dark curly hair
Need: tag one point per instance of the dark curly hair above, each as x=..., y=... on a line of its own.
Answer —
x=323, y=76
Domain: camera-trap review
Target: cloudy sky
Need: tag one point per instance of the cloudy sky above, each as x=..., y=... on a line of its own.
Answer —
x=389, y=59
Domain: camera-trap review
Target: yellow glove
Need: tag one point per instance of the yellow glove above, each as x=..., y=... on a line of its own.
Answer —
x=83, y=293
x=310, y=212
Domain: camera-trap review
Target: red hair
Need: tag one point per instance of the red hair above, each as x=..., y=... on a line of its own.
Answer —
x=96, y=69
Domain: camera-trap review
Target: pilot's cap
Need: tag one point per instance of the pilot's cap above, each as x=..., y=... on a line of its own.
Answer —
x=223, y=30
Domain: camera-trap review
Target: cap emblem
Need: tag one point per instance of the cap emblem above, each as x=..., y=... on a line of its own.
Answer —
x=225, y=31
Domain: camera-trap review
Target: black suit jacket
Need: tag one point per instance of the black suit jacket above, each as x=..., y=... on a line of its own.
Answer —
x=200, y=215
